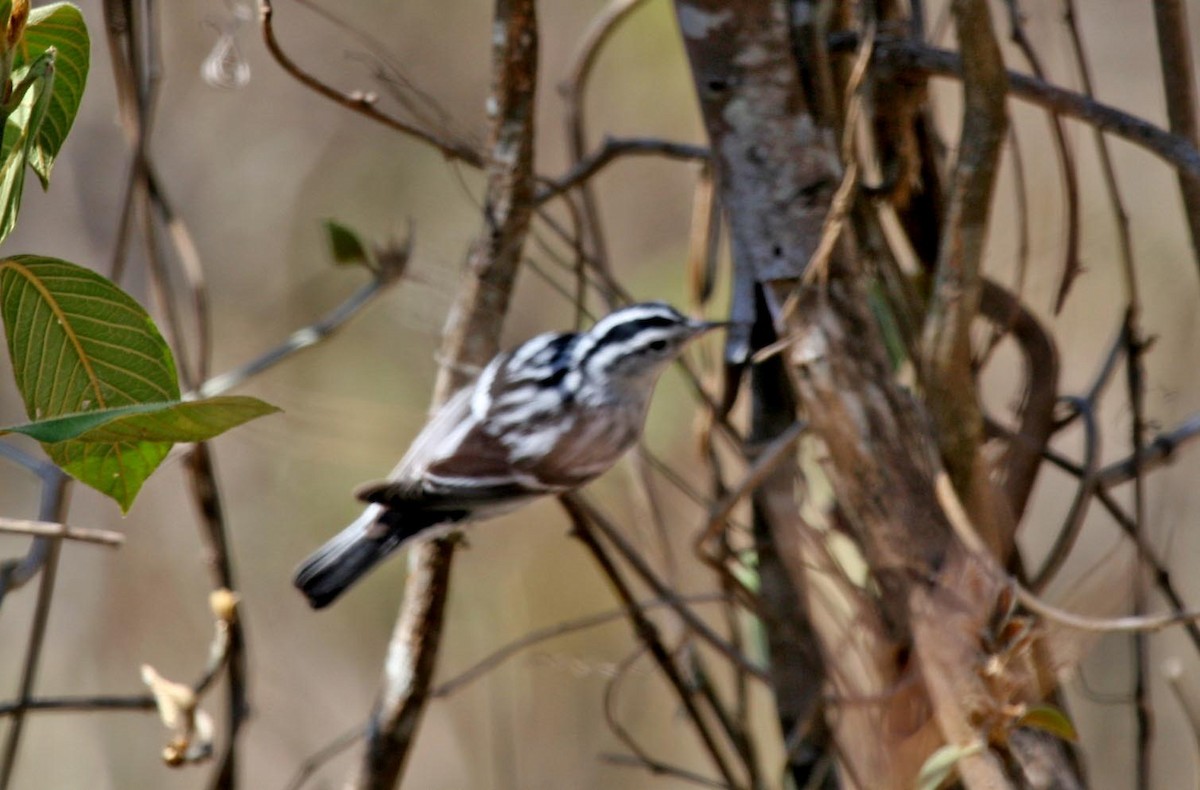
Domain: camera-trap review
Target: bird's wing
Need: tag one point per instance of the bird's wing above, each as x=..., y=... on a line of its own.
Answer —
x=454, y=461
x=432, y=439
x=476, y=470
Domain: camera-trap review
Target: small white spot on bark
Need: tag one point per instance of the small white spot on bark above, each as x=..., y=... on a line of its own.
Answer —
x=811, y=348
x=695, y=23
x=752, y=57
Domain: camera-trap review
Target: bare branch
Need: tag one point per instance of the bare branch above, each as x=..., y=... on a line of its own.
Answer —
x=946, y=370
x=1156, y=453
x=614, y=148
x=359, y=102
x=1148, y=623
x=313, y=762
x=602, y=26
x=315, y=332
x=53, y=508
x=470, y=339
x=502, y=654
x=895, y=56
x=647, y=634
x=660, y=769
x=647, y=575
x=52, y=529
x=80, y=704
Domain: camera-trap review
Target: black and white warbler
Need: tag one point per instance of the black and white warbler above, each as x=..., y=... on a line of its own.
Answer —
x=545, y=418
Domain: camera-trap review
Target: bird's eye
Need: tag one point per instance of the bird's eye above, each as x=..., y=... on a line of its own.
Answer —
x=658, y=345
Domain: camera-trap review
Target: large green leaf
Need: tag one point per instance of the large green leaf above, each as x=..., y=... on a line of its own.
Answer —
x=58, y=25
x=178, y=421
x=78, y=343
x=114, y=450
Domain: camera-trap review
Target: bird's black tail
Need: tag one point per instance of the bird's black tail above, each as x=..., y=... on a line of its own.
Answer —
x=347, y=557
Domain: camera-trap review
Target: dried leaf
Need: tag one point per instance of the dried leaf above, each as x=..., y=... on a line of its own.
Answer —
x=191, y=728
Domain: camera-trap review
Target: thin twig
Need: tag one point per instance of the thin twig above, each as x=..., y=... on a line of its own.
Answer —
x=303, y=338
x=660, y=769
x=612, y=689
x=1073, y=524
x=647, y=575
x=16, y=573
x=53, y=508
x=206, y=496
x=1066, y=159
x=1161, y=576
x=1153, y=454
x=81, y=704
x=52, y=529
x=615, y=148
x=1148, y=623
x=313, y=762
x=764, y=463
x=1131, y=335
x=737, y=735
x=647, y=634
x=502, y=654
x=903, y=56
x=423, y=107
x=602, y=26
x=843, y=198
x=359, y=102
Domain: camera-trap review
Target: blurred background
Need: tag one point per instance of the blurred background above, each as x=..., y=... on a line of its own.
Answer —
x=254, y=170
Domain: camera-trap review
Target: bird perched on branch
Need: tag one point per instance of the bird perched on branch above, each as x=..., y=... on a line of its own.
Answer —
x=545, y=418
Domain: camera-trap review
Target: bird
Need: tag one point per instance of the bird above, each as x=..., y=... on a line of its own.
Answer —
x=545, y=418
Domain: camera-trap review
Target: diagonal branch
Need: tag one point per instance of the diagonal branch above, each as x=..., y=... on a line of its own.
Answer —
x=356, y=101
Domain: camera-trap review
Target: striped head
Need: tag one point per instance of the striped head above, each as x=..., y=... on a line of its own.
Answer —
x=630, y=347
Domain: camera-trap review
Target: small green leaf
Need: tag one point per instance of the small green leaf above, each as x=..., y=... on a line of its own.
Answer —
x=177, y=421
x=1048, y=718
x=942, y=765
x=346, y=246
x=32, y=95
x=61, y=26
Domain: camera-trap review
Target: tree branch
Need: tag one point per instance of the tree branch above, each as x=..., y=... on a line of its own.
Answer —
x=470, y=339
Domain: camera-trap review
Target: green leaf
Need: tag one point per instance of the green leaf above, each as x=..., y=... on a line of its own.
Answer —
x=78, y=343
x=176, y=421
x=1048, y=718
x=942, y=765
x=32, y=95
x=49, y=72
x=115, y=450
x=346, y=246
x=58, y=25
